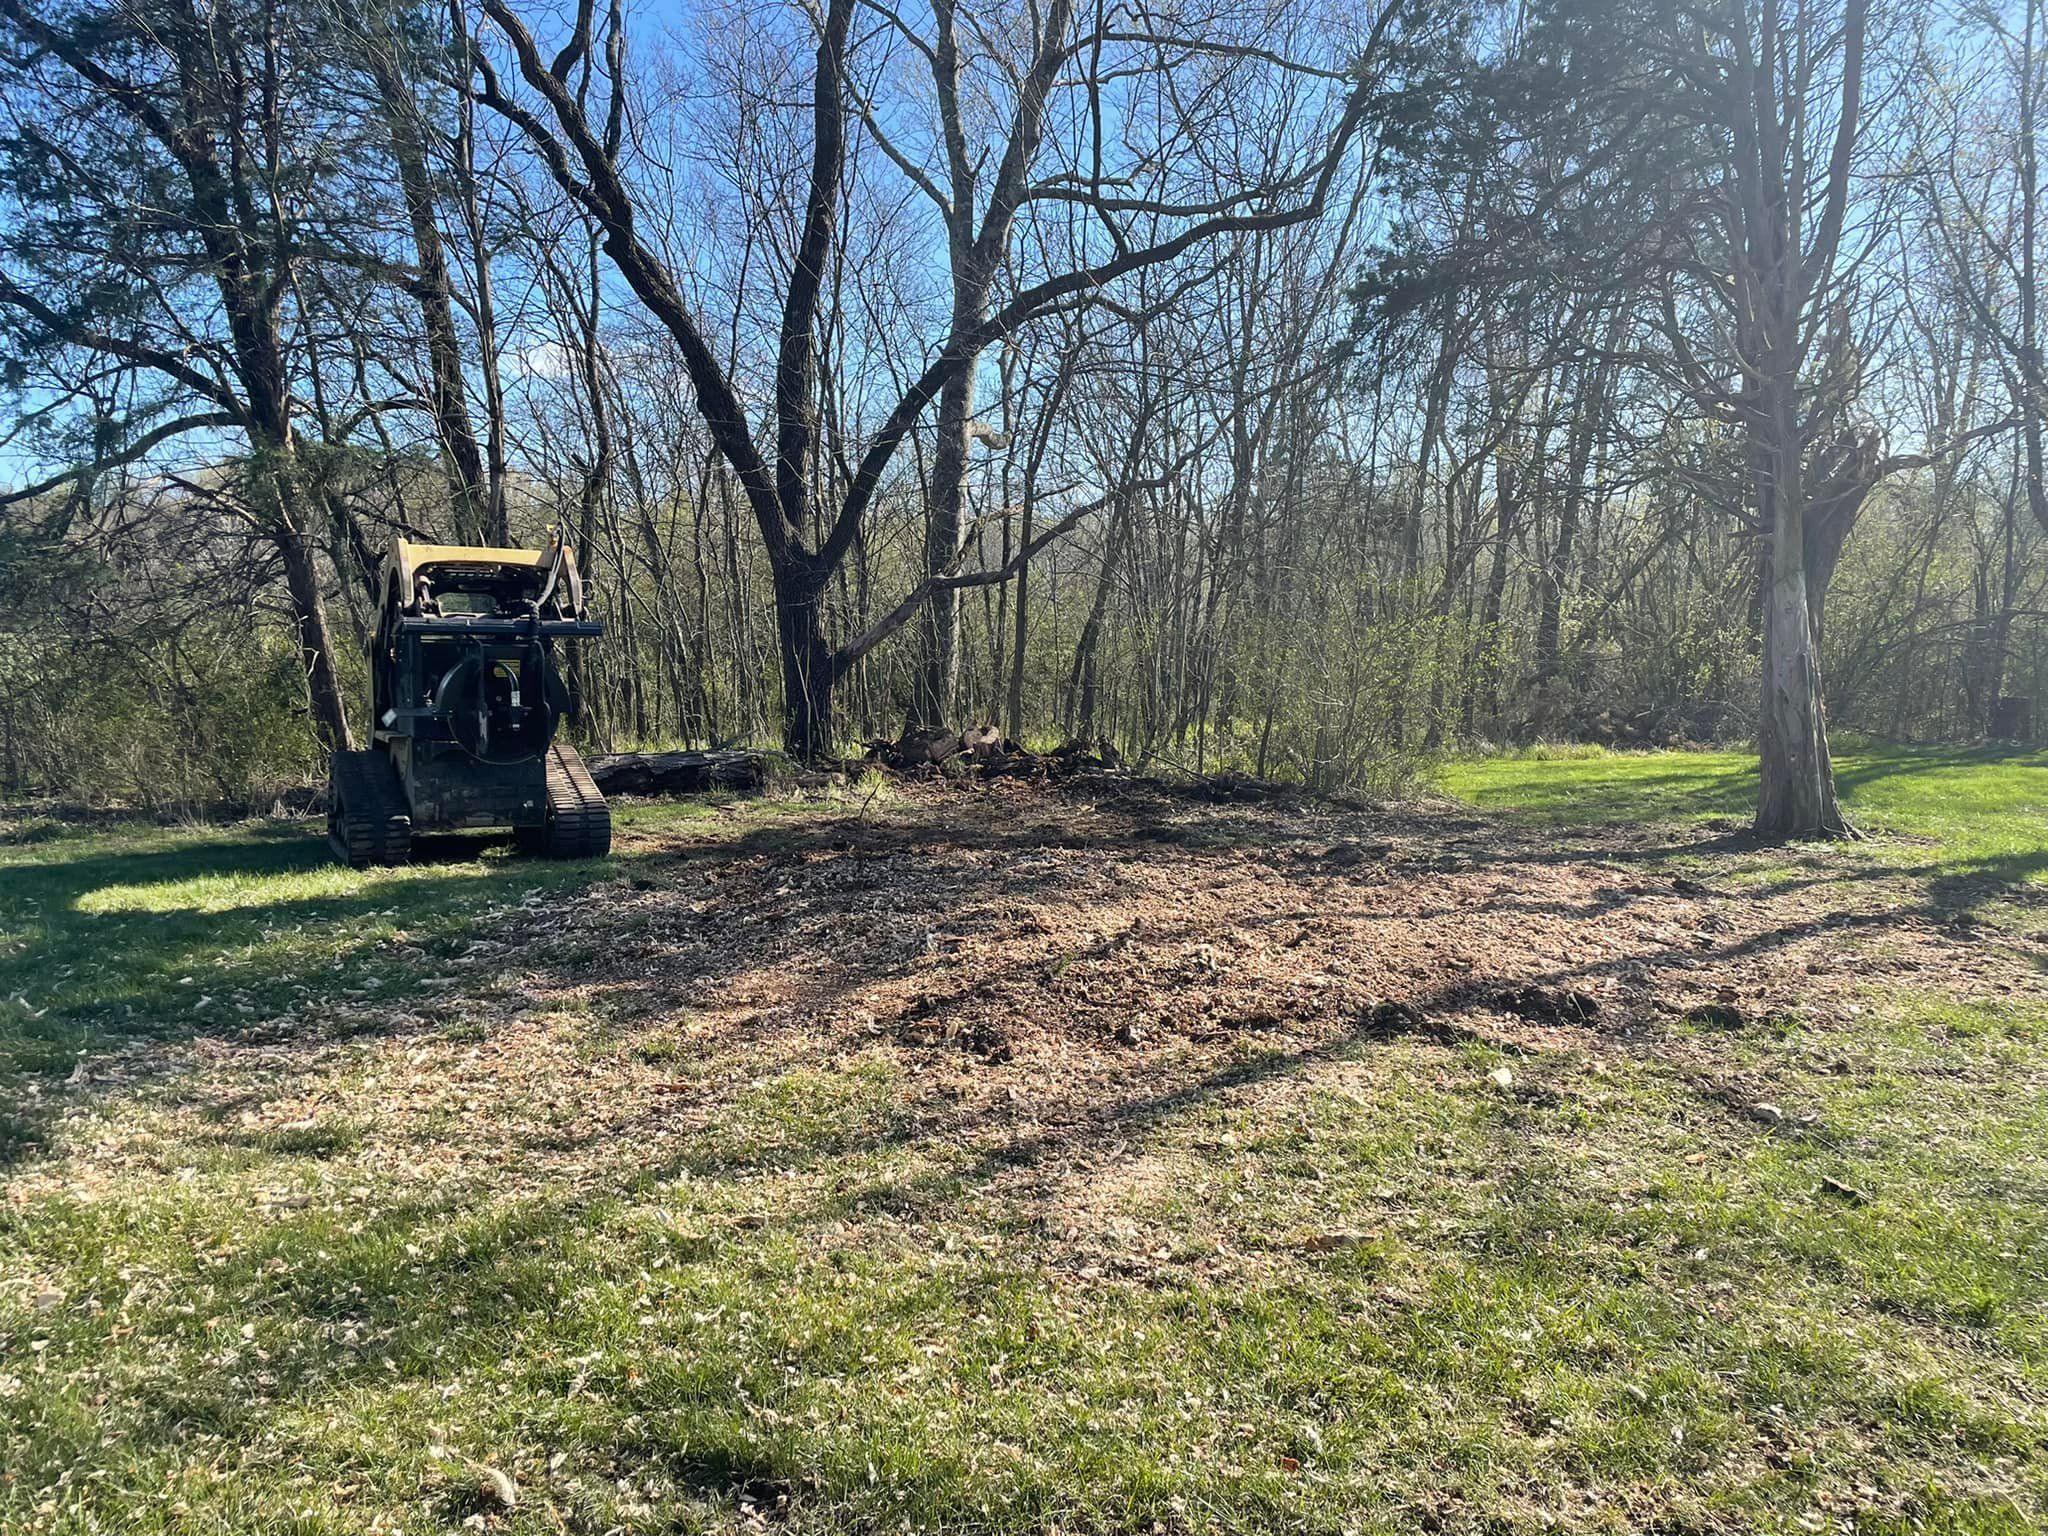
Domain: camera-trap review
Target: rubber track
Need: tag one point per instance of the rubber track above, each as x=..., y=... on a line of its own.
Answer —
x=375, y=824
x=579, y=821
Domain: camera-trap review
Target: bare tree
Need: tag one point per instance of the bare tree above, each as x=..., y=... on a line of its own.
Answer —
x=575, y=117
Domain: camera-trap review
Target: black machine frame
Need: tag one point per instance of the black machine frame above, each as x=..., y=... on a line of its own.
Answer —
x=467, y=692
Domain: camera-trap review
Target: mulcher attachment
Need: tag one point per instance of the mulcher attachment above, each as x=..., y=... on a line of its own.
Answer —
x=367, y=818
x=467, y=689
x=579, y=824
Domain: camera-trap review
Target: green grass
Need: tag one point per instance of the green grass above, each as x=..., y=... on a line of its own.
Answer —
x=148, y=933
x=138, y=933
x=1978, y=802
x=1584, y=785
x=1355, y=1289
x=1964, y=830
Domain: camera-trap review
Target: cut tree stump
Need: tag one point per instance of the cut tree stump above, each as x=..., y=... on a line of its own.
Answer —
x=678, y=773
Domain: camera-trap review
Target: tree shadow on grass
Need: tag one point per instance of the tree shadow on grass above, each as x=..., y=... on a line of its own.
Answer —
x=361, y=1300
x=105, y=953
x=1961, y=893
x=111, y=953
x=1948, y=889
x=1668, y=793
x=1854, y=771
x=349, y=1306
x=434, y=1292
x=1611, y=792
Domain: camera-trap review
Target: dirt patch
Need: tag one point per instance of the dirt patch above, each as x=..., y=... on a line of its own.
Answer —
x=1051, y=966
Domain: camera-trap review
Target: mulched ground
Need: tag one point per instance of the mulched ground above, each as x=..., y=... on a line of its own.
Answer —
x=1055, y=966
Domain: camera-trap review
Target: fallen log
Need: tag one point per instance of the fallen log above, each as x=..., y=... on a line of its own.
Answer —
x=678, y=773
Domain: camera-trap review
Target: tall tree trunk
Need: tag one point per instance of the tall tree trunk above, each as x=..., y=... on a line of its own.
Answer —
x=497, y=524
x=931, y=705
x=1486, y=675
x=1013, y=712
x=1555, y=569
x=309, y=609
x=1796, y=791
x=975, y=253
x=461, y=459
x=1784, y=273
x=1083, y=682
x=807, y=673
x=2033, y=377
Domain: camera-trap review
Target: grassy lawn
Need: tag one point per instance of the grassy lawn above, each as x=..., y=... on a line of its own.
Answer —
x=322, y=1192
x=1979, y=803
x=1967, y=828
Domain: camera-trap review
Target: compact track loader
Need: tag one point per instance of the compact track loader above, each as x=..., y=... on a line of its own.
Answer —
x=466, y=691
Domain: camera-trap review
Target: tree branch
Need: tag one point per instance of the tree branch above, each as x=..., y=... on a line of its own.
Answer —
x=128, y=455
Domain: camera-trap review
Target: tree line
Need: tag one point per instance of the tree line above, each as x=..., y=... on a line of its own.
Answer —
x=1262, y=386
